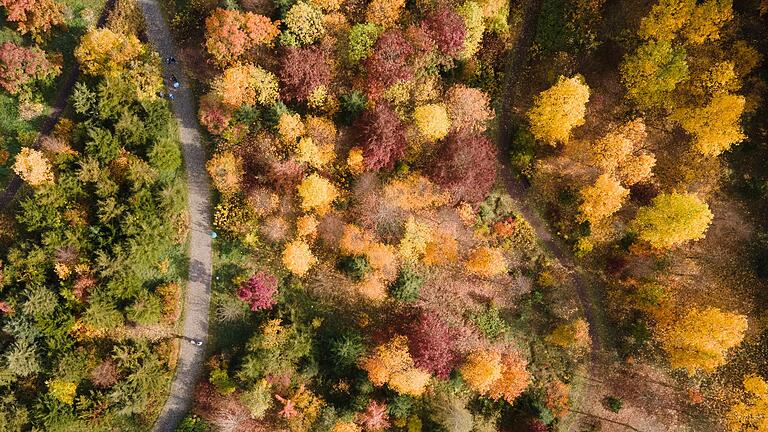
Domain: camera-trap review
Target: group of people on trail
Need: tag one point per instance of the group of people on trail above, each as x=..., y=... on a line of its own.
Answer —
x=174, y=82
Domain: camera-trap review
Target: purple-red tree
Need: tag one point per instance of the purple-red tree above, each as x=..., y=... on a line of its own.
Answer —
x=447, y=29
x=388, y=63
x=259, y=291
x=466, y=166
x=382, y=136
x=303, y=70
x=430, y=342
x=20, y=66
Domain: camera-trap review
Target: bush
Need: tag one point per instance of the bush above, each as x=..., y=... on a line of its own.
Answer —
x=407, y=285
x=613, y=403
x=490, y=323
x=193, y=423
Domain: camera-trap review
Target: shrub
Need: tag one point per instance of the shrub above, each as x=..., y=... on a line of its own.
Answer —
x=355, y=267
x=406, y=286
x=613, y=403
x=490, y=323
x=259, y=291
x=33, y=167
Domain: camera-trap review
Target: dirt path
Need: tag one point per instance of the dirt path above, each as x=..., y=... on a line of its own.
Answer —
x=518, y=189
x=59, y=104
x=198, y=292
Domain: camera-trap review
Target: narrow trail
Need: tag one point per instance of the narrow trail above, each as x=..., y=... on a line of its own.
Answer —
x=198, y=292
x=518, y=189
x=57, y=109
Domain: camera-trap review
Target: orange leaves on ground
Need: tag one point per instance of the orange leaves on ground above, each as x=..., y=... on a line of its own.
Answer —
x=229, y=34
x=487, y=262
x=391, y=364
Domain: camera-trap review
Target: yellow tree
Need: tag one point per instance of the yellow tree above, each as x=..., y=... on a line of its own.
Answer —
x=33, y=167
x=601, y=199
x=226, y=171
x=700, y=339
x=481, y=369
x=487, y=261
x=384, y=13
x=716, y=126
x=557, y=110
x=665, y=19
x=298, y=258
x=246, y=85
x=103, y=51
x=571, y=335
x=317, y=194
x=391, y=364
x=706, y=21
x=432, y=121
x=672, y=219
x=752, y=415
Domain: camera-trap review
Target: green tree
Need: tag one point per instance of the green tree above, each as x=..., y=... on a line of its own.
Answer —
x=652, y=72
x=672, y=219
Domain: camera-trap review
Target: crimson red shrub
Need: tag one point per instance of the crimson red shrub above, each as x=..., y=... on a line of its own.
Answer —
x=466, y=166
x=259, y=291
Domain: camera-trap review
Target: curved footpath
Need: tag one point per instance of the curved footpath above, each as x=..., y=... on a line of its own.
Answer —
x=198, y=293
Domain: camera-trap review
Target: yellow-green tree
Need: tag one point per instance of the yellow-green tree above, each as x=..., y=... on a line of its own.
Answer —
x=602, y=199
x=557, y=110
x=715, y=126
x=102, y=51
x=672, y=219
x=701, y=338
x=652, y=72
x=752, y=415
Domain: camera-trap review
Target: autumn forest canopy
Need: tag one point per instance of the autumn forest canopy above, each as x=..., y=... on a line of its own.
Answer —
x=437, y=215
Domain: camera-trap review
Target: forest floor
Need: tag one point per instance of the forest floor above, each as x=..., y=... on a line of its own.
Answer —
x=198, y=292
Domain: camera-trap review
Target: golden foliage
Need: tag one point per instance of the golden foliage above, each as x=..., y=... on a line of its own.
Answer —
x=306, y=226
x=33, y=167
x=414, y=192
x=573, y=335
x=382, y=258
x=700, y=339
x=481, y=369
x=384, y=13
x=298, y=258
x=391, y=364
x=226, y=171
x=487, y=261
x=346, y=427
x=372, y=287
x=432, y=121
x=102, y=51
x=601, y=199
x=413, y=245
x=354, y=241
x=246, y=85
x=290, y=128
x=355, y=160
x=672, y=219
x=317, y=194
x=716, y=126
x=472, y=14
x=752, y=415
x=64, y=391
x=707, y=19
x=665, y=19
x=441, y=249
x=513, y=380
x=557, y=110
x=312, y=154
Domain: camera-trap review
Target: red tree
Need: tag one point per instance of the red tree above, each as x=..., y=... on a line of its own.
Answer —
x=446, y=28
x=466, y=166
x=303, y=70
x=382, y=136
x=35, y=17
x=388, y=63
x=20, y=66
x=259, y=291
x=430, y=342
x=214, y=114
